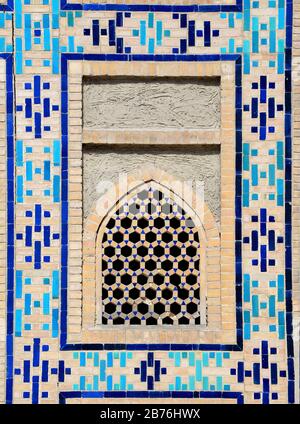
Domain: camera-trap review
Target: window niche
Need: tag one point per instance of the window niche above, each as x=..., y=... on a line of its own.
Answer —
x=156, y=157
x=149, y=258
x=150, y=254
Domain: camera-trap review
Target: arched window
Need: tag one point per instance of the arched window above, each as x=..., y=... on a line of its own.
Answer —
x=150, y=261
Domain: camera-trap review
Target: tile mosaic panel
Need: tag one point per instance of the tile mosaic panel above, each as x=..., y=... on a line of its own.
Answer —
x=37, y=42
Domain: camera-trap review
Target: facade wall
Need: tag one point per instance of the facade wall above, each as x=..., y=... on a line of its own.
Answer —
x=50, y=349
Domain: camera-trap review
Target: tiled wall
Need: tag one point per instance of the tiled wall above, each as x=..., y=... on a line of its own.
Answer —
x=45, y=48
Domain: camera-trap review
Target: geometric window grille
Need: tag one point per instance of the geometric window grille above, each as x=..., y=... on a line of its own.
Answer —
x=150, y=263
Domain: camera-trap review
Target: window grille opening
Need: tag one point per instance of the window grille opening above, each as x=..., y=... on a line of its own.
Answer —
x=150, y=263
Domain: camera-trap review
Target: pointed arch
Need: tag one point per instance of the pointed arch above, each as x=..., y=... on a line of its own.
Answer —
x=150, y=281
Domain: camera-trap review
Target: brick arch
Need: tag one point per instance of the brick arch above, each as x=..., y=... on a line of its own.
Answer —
x=109, y=204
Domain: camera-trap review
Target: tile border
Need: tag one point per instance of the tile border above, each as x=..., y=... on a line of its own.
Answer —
x=238, y=396
x=218, y=326
x=65, y=207
x=238, y=7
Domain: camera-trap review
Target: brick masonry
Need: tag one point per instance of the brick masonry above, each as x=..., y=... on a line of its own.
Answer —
x=248, y=352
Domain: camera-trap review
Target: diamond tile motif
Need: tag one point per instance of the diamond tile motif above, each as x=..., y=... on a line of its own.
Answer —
x=43, y=356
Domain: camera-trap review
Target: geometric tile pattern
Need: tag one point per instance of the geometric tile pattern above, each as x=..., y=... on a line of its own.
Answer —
x=150, y=262
x=38, y=367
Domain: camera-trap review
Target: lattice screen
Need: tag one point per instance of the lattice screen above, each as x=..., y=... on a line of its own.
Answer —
x=150, y=263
